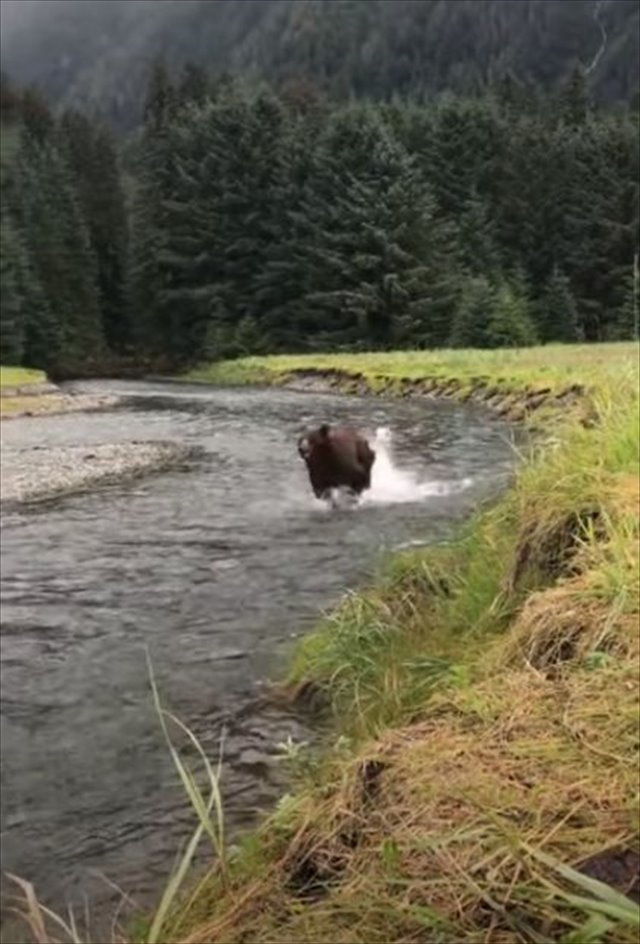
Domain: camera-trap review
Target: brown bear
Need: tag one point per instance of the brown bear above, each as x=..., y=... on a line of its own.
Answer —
x=336, y=457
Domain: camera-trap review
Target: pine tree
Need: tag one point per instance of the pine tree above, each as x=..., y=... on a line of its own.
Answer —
x=510, y=323
x=63, y=329
x=91, y=155
x=374, y=249
x=471, y=323
x=626, y=325
x=574, y=100
x=478, y=251
x=147, y=282
x=193, y=86
x=464, y=155
x=37, y=120
x=12, y=315
x=160, y=100
x=557, y=315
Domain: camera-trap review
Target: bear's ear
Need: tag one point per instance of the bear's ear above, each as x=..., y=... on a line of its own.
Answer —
x=324, y=431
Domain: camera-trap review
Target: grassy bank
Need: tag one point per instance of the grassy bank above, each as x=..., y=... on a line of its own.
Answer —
x=20, y=377
x=514, y=382
x=482, y=780
x=480, y=783
x=15, y=403
x=28, y=393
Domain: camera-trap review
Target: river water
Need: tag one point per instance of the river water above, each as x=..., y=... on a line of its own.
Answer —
x=213, y=569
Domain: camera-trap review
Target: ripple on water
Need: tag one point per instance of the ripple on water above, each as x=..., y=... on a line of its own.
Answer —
x=212, y=570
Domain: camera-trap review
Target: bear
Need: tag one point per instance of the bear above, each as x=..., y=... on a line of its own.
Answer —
x=336, y=457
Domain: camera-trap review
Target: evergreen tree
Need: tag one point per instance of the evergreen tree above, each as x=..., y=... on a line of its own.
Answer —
x=147, y=282
x=91, y=155
x=509, y=323
x=557, y=315
x=63, y=330
x=12, y=263
x=626, y=325
x=377, y=255
x=574, y=101
x=476, y=237
x=37, y=120
x=160, y=100
x=193, y=86
x=471, y=323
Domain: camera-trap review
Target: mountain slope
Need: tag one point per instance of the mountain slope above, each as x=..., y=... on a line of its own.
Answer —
x=95, y=54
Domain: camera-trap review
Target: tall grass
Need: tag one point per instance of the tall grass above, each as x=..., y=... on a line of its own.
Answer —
x=45, y=925
x=484, y=689
x=555, y=365
x=483, y=775
x=209, y=812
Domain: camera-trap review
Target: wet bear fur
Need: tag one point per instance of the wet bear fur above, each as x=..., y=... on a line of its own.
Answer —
x=337, y=457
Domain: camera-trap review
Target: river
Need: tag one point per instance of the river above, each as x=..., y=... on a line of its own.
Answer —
x=214, y=569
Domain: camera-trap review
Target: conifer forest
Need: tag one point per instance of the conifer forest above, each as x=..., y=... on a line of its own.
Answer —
x=311, y=176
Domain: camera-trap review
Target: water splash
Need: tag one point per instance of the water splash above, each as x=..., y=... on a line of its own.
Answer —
x=391, y=484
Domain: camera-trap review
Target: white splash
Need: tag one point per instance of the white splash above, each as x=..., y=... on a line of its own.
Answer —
x=393, y=485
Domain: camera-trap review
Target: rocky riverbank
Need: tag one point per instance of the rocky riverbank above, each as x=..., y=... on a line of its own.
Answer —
x=42, y=472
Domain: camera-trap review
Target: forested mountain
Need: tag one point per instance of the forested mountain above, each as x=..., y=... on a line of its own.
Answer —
x=343, y=174
x=93, y=54
x=255, y=221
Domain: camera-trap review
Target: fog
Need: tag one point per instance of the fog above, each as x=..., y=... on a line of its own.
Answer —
x=17, y=16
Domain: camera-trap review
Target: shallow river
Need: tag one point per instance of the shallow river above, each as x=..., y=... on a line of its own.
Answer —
x=215, y=568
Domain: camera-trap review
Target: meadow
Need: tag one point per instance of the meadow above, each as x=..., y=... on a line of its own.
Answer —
x=479, y=782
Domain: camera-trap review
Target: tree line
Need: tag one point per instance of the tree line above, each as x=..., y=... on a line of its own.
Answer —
x=92, y=54
x=243, y=220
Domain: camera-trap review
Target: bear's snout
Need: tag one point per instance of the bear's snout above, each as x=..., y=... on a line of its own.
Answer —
x=304, y=448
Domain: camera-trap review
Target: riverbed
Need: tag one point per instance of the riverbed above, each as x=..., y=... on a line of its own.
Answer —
x=213, y=568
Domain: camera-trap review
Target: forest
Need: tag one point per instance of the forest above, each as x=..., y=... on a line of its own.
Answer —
x=94, y=54
x=247, y=214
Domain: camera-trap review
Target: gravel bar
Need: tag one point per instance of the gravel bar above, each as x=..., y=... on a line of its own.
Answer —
x=42, y=472
x=53, y=403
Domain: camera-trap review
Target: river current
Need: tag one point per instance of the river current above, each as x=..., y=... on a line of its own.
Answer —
x=213, y=569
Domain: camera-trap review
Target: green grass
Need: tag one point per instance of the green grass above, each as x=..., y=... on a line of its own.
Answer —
x=493, y=680
x=479, y=783
x=555, y=366
x=20, y=376
x=11, y=377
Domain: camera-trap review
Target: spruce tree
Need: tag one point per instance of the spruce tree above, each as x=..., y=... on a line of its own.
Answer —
x=374, y=248
x=510, y=323
x=147, y=283
x=471, y=322
x=60, y=257
x=556, y=312
x=574, y=100
x=91, y=154
x=478, y=251
x=12, y=301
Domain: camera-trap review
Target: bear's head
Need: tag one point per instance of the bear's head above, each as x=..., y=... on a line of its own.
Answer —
x=312, y=439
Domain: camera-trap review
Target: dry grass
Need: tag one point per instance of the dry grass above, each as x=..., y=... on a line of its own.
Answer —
x=489, y=690
x=32, y=405
x=435, y=831
x=563, y=625
x=483, y=784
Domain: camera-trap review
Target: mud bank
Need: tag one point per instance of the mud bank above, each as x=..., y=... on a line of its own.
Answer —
x=481, y=769
x=512, y=404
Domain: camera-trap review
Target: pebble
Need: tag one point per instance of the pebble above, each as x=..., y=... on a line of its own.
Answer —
x=44, y=472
